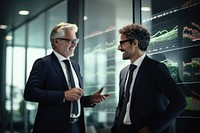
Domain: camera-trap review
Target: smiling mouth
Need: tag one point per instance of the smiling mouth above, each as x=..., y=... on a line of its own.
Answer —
x=122, y=50
x=71, y=47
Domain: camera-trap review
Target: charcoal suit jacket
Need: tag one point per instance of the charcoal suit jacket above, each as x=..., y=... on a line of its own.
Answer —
x=156, y=99
x=46, y=85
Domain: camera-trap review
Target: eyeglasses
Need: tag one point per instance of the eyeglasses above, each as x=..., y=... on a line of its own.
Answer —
x=121, y=42
x=74, y=41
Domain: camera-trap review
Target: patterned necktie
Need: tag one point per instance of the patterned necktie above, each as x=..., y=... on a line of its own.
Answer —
x=72, y=85
x=126, y=96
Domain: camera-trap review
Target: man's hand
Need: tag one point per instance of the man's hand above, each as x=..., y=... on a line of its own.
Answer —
x=73, y=94
x=97, y=97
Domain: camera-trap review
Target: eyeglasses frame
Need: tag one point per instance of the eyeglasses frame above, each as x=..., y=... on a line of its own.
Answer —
x=74, y=41
x=122, y=42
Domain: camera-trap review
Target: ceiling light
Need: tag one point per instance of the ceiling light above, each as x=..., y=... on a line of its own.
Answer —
x=3, y=26
x=23, y=12
x=146, y=9
x=85, y=18
x=8, y=38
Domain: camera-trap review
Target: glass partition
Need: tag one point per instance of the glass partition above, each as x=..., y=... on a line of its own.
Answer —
x=15, y=78
x=26, y=44
x=8, y=87
x=55, y=15
x=102, y=61
x=35, y=50
x=18, y=75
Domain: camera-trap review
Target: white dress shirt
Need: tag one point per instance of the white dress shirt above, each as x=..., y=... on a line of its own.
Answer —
x=61, y=59
x=138, y=62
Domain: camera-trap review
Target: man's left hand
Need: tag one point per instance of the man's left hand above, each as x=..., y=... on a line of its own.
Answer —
x=97, y=97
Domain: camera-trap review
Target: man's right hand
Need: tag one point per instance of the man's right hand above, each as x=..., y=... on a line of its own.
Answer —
x=73, y=94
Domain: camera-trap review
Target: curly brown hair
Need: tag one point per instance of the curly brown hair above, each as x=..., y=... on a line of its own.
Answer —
x=135, y=31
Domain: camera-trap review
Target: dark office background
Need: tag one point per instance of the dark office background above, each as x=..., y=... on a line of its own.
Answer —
x=175, y=41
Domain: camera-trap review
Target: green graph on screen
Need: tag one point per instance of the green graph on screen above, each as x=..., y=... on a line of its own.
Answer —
x=164, y=35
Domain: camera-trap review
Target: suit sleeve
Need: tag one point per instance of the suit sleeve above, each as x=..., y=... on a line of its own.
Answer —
x=117, y=111
x=36, y=89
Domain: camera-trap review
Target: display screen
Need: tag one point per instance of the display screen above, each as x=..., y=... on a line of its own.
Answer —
x=175, y=41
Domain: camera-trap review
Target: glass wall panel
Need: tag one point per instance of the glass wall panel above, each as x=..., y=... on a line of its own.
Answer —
x=19, y=35
x=36, y=32
x=102, y=61
x=54, y=16
x=36, y=41
x=8, y=77
x=9, y=58
x=35, y=50
x=18, y=78
x=8, y=94
x=8, y=72
x=33, y=54
x=15, y=63
x=18, y=87
x=8, y=39
x=174, y=28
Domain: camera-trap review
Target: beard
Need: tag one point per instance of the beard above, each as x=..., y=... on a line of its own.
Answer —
x=124, y=57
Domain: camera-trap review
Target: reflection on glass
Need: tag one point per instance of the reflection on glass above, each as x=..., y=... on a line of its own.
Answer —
x=18, y=82
x=15, y=78
x=8, y=77
x=102, y=61
x=9, y=38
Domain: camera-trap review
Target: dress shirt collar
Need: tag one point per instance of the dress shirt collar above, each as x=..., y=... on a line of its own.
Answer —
x=60, y=57
x=138, y=62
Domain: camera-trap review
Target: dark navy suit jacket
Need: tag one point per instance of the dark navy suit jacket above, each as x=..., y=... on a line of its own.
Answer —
x=46, y=85
x=156, y=99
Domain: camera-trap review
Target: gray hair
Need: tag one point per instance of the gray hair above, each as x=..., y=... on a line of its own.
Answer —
x=59, y=30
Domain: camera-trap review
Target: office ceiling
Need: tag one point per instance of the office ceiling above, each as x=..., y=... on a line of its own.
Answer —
x=9, y=11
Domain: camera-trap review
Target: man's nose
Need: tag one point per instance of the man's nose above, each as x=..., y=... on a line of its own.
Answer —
x=119, y=47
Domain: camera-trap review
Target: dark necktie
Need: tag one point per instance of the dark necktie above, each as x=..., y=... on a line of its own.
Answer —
x=72, y=85
x=126, y=96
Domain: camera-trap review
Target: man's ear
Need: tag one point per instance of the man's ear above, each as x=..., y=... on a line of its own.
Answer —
x=135, y=42
x=55, y=42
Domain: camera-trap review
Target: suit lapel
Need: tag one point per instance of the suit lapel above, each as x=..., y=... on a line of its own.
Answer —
x=138, y=77
x=123, y=76
x=76, y=68
x=58, y=69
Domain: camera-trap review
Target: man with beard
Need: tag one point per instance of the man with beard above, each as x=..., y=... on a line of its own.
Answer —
x=149, y=98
